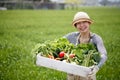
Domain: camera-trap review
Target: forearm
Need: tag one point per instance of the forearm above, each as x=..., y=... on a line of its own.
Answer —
x=102, y=60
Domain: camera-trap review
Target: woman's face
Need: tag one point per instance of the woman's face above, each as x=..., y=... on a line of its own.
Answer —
x=83, y=26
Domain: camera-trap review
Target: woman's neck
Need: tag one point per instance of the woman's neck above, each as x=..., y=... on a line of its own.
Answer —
x=85, y=34
x=84, y=37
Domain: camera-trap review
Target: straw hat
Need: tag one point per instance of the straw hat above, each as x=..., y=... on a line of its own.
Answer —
x=81, y=16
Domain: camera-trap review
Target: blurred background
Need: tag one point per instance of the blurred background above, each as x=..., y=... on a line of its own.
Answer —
x=26, y=23
x=54, y=4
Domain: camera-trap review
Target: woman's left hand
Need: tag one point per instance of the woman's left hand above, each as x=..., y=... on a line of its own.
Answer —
x=94, y=70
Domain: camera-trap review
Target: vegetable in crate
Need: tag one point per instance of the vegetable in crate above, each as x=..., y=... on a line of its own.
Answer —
x=61, y=49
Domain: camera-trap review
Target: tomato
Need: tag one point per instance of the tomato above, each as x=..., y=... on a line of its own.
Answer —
x=61, y=54
x=72, y=55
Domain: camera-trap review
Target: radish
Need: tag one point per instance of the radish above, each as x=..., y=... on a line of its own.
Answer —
x=72, y=55
x=61, y=54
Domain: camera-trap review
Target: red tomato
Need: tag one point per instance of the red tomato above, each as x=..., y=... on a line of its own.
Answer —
x=61, y=54
x=72, y=55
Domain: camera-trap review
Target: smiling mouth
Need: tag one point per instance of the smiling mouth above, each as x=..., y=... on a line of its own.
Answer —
x=82, y=29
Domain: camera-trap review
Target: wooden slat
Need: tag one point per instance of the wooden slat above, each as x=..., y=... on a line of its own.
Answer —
x=62, y=66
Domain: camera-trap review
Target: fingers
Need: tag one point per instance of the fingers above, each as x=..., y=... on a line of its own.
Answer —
x=93, y=71
x=91, y=74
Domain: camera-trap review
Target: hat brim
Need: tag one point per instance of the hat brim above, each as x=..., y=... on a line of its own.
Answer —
x=81, y=20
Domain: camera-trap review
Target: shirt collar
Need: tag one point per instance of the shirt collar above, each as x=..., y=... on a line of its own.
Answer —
x=78, y=37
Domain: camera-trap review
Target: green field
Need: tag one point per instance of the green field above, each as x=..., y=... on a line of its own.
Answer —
x=21, y=30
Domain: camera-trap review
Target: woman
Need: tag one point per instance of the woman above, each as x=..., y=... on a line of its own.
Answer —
x=82, y=23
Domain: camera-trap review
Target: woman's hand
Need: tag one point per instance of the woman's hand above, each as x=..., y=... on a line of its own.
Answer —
x=94, y=70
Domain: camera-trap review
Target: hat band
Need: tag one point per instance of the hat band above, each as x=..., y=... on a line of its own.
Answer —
x=80, y=20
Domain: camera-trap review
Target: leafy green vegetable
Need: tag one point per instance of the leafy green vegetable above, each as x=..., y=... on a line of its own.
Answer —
x=85, y=54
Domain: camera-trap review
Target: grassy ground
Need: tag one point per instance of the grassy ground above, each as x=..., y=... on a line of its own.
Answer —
x=21, y=30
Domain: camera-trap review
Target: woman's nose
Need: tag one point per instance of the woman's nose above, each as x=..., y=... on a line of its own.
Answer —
x=81, y=24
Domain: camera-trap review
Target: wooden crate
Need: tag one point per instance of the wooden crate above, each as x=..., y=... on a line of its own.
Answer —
x=62, y=66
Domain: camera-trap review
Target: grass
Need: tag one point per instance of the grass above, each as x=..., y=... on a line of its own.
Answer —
x=21, y=30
